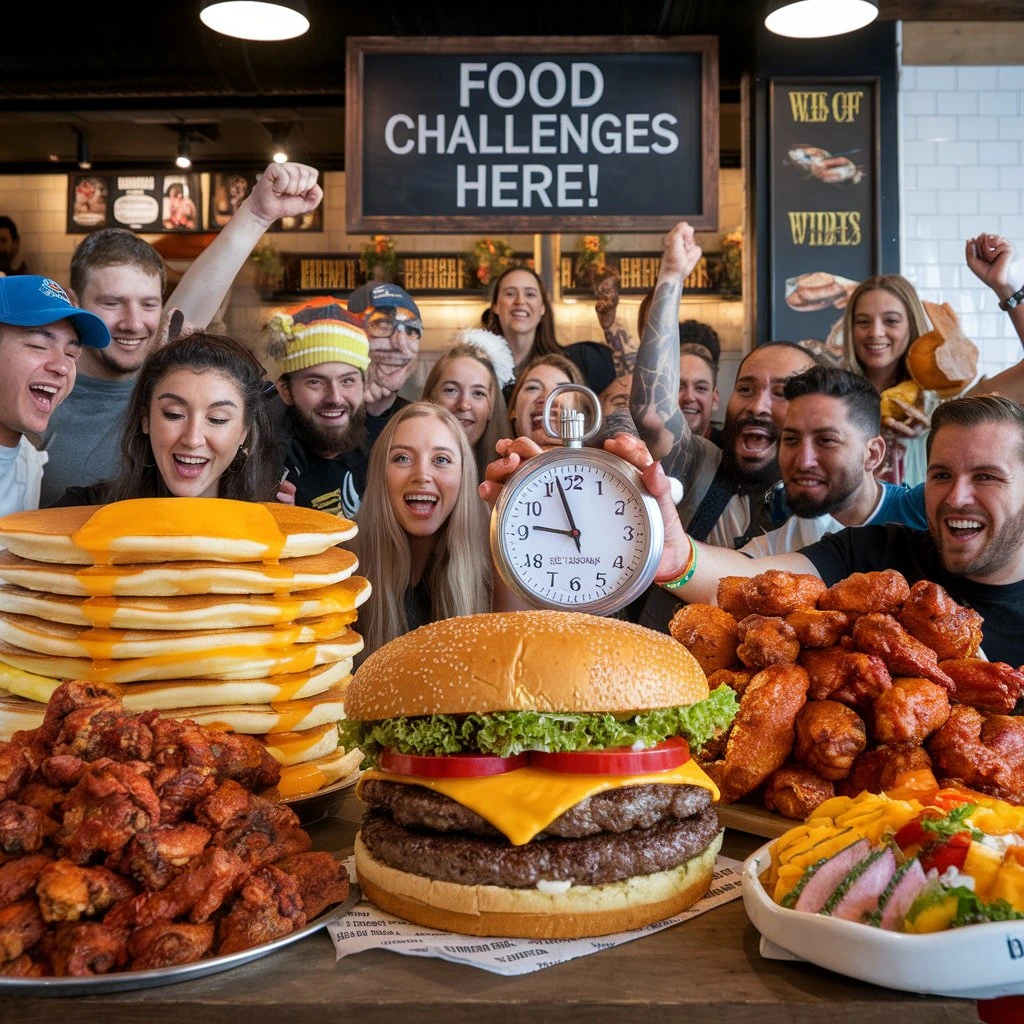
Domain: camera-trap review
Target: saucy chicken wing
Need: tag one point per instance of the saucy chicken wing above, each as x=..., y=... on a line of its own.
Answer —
x=881, y=768
x=794, y=791
x=169, y=944
x=910, y=711
x=984, y=752
x=849, y=677
x=829, y=735
x=930, y=615
x=708, y=633
x=863, y=592
x=883, y=636
x=69, y=892
x=268, y=907
x=87, y=947
x=987, y=685
x=761, y=736
x=776, y=592
x=816, y=628
x=766, y=640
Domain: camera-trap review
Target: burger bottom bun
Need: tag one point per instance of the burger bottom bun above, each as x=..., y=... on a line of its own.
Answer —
x=529, y=913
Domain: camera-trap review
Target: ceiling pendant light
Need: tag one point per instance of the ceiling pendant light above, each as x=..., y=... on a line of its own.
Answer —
x=184, y=157
x=813, y=19
x=262, y=20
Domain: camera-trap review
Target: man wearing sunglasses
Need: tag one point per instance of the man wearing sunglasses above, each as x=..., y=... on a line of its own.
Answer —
x=394, y=327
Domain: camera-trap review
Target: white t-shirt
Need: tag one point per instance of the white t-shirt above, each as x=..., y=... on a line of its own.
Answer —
x=732, y=523
x=21, y=474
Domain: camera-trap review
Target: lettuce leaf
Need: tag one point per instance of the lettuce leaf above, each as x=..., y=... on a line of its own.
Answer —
x=511, y=732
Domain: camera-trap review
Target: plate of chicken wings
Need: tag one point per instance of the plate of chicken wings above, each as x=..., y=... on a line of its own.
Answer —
x=138, y=851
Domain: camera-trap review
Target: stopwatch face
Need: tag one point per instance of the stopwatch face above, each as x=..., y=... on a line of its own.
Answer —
x=575, y=529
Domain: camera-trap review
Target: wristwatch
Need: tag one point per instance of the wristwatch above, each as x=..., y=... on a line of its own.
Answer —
x=1013, y=301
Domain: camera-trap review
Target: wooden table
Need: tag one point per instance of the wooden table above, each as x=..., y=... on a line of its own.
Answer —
x=708, y=969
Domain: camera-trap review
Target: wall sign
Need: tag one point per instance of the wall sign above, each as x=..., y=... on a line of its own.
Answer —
x=824, y=198
x=141, y=201
x=531, y=134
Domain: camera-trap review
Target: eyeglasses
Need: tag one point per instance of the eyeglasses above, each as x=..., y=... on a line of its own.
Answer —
x=385, y=327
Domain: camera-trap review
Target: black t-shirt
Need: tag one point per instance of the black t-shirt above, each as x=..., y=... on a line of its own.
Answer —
x=375, y=424
x=913, y=553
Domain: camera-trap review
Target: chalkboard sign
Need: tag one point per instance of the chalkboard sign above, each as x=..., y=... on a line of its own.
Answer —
x=825, y=232
x=531, y=134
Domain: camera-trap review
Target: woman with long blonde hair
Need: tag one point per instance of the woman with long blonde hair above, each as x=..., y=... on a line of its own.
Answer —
x=422, y=539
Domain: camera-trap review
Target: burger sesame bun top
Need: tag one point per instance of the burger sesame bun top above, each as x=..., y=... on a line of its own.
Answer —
x=524, y=661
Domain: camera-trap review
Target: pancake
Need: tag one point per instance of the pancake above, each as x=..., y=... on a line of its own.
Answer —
x=169, y=529
x=17, y=713
x=186, y=612
x=215, y=663
x=60, y=639
x=180, y=578
x=305, y=779
x=184, y=694
x=289, y=748
x=326, y=708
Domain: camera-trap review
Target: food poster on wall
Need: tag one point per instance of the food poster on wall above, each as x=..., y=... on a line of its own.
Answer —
x=228, y=190
x=825, y=234
x=144, y=202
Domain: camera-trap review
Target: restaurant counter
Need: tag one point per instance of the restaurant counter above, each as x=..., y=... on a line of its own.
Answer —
x=707, y=969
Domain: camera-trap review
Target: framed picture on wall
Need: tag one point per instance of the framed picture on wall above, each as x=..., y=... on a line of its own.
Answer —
x=138, y=200
x=825, y=230
x=229, y=189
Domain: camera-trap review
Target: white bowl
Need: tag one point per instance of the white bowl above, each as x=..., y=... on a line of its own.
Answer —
x=981, y=961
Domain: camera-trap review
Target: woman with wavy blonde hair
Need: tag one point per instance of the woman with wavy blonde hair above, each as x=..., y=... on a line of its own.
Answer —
x=422, y=539
x=467, y=380
x=883, y=316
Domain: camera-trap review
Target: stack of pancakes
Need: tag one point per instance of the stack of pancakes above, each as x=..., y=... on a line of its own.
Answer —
x=235, y=614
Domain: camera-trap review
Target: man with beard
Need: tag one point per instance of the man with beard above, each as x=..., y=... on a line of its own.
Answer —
x=394, y=327
x=830, y=448
x=317, y=354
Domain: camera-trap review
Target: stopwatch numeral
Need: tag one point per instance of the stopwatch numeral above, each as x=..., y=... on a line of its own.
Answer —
x=627, y=533
x=618, y=564
x=549, y=489
x=533, y=562
x=573, y=482
x=620, y=509
x=534, y=508
x=600, y=487
x=601, y=579
x=574, y=583
x=523, y=532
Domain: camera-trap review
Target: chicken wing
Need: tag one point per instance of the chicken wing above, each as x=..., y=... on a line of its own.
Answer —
x=794, y=792
x=829, y=735
x=987, y=685
x=766, y=640
x=268, y=907
x=884, y=637
x=849, y=677
x=863, y=592
x=930, y=615
x=708, y=633
x=198, y=892
x=761, y=736
x=779, y=593
x=816, y=628
x=737, y=680
x=985, y=752
x=322, y=880
x=910, y=711
x=731, y=596
x=21, y=927
x=68, y=892
x=18, y=877
x=169, y=944
x=158, y=854
x=23, y=829
x=87, y=947
x=880, y=769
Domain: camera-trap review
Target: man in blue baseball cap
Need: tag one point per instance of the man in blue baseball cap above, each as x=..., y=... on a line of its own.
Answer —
x=41, y=336
x=394, y=327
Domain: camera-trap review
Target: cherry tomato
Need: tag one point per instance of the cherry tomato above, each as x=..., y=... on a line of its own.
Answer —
x=951, y=853
x=911, y=834
x=450, y=766
x=668, y=754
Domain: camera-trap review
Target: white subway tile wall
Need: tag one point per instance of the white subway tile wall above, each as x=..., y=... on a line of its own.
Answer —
x=962, y=173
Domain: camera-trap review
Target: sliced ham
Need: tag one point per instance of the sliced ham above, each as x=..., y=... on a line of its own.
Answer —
x=820, y=880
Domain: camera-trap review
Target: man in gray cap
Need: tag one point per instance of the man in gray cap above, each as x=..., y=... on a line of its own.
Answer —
x=41, y=338
x=394, y=327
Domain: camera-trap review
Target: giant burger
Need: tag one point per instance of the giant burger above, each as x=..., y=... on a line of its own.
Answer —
x=531, y=775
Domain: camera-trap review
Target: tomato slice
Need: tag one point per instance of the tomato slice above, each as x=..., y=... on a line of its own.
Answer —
x=952, y=853
x=449, y=766
x=668, y=754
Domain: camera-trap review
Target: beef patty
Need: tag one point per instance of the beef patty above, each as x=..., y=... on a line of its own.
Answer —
x=593, y=860
x=616, y=810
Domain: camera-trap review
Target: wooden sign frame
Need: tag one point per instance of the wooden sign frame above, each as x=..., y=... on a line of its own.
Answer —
x=704, y=151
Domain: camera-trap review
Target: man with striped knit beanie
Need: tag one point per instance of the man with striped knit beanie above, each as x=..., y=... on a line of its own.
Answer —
x=317, y=354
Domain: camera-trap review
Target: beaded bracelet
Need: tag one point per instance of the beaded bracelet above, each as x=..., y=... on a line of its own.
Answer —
x=687, y=574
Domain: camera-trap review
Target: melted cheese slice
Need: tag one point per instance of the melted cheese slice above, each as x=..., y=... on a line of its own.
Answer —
x=522, y=803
